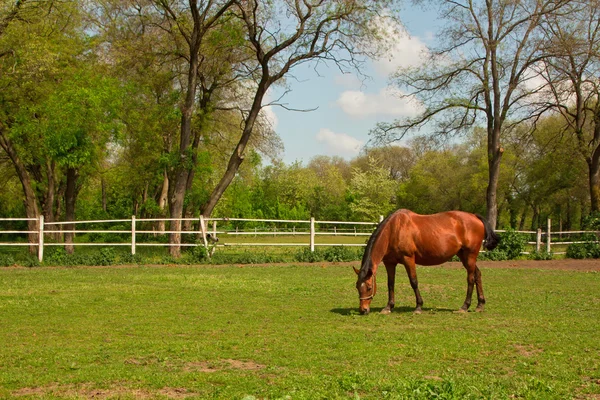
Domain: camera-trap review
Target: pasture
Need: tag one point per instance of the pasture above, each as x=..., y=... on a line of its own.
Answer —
x=293, y=331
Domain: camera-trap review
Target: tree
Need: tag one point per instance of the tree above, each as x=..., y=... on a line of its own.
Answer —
x=572, y=87
x=77, y=122
x=37, y=41
x=479, y=73
x=283, y=35
x=373, y=192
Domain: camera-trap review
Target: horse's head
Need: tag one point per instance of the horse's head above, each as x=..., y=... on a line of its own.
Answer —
x=367, y=287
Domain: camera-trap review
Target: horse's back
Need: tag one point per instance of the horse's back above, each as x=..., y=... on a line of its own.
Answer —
x=434, y=239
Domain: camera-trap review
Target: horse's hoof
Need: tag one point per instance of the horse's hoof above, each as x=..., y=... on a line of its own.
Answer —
x=479, y=309
x=386, y=311
x=461, y=311
x=417, y=311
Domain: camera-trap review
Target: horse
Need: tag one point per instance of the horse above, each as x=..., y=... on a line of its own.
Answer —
x=407, y=238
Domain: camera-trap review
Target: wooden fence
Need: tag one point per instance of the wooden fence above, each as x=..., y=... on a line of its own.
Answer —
x=208, y=227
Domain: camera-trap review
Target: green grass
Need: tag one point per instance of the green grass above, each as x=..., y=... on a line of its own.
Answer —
x=293, y=332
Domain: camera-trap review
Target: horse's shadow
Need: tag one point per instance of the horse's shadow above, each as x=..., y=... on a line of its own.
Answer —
x=396, y=310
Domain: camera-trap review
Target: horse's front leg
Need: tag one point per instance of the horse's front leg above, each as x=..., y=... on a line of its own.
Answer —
x=391, y=277
x=411, y=271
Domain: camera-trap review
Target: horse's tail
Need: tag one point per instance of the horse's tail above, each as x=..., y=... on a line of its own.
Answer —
x=491, y=238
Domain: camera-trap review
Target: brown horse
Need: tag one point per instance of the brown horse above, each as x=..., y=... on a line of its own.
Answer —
x=409, y=239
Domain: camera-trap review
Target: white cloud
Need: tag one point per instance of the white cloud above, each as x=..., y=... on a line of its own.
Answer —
x=269, y=115
x=339, y=144
x=387, y=102
x=403, y=50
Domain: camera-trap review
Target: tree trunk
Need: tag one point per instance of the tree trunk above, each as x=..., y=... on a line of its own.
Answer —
x=594, y=179
x=70, y=198
x=162, y=201
x=30, y=199
x=50, y=193
x=177, y=195
x=494, y=157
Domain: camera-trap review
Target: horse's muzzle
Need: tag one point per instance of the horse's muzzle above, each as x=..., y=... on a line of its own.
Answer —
x=364, y=311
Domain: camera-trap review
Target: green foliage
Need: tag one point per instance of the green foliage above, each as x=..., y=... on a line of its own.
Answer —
x=58, y=256
x=541, y=255
x=329, y=254
x=305, y=255
x=246, y=257
x=341, y=253
x=511, y=245
x=592, y=221
x=198, y=253
x=6, y=260
x=373, y=192
x=590, y=248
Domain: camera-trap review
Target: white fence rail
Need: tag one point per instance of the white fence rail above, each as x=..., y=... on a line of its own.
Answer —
x=310, y=228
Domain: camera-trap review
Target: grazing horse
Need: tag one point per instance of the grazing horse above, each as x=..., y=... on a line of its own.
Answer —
x=408, y=238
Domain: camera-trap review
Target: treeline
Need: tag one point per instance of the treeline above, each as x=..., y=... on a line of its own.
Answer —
x=538, y=182
x=154, y=108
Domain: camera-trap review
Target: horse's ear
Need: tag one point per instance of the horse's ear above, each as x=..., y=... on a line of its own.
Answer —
x=356, y=270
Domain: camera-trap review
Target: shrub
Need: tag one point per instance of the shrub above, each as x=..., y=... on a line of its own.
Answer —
x=107, y=256
x=305, y=255
x=340, y=253
x=198, y=254
x=56, y=256
x=510, y=247
x=540, y=255
x=6, y=260
x=590, y=248
x=30, y=262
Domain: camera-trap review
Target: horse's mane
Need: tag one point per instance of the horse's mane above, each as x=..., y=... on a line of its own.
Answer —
x=365, y=264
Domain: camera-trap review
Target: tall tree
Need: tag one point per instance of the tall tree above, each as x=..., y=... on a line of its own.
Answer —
x=572, y=87
x=478, y=74
x=37, y=41
x=285, y=34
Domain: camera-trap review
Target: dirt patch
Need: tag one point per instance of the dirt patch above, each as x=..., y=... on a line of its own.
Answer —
x=209, y=367
x=85, y=391
x=527, y=350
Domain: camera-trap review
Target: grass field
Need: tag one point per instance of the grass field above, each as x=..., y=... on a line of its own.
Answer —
x=294, y=332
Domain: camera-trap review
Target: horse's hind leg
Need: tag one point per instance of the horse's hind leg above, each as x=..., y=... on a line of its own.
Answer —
x=469, y=261
x=480, y=296
x=411, y=270
x=391, y=275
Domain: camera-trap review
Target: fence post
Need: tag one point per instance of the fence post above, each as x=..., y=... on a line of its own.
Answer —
x=380, y=218
x=215, y=229
x=538, y=240
x=41, y=239
x=548, y=239
x=203, y=230
x=312, y=234
x=133, y=235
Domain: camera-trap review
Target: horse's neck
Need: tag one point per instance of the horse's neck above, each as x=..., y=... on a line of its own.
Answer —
x=379, y=249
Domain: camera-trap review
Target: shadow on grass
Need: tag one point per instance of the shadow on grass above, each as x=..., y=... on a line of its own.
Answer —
x=399, y=310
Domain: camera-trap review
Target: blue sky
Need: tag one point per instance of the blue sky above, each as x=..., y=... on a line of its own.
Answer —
x=346, y=107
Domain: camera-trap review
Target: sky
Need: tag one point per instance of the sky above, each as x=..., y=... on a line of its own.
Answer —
x=346, y=107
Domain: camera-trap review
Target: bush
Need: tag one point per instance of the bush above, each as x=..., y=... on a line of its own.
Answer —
x=340, y=253
x=540, y=255
x=590, y=248
x=510, y=247
x=305, y=255
x=6, y=260
x=198, y=254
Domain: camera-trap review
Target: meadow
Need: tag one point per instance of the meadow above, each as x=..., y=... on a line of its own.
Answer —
x=294, y=332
